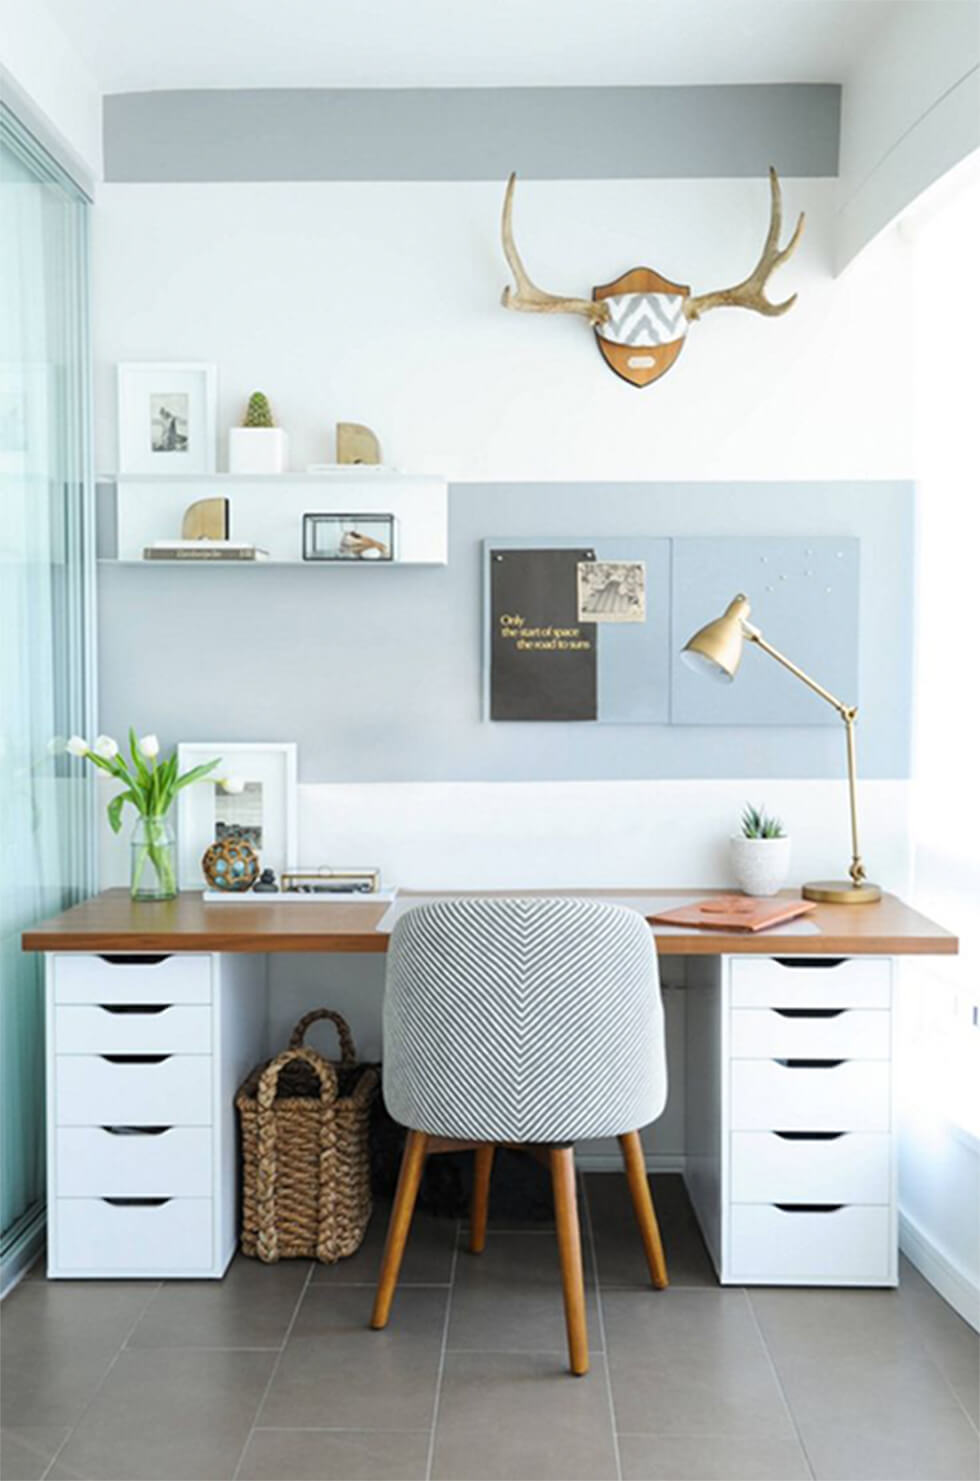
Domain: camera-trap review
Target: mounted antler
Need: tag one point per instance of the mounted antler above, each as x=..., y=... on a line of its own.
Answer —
x=751, y=294
x=529, y=298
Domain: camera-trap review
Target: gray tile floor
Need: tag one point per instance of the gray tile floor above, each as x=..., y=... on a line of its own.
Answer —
x=272, y=1372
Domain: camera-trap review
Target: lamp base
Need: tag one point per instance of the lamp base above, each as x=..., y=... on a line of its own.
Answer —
x=841, y=892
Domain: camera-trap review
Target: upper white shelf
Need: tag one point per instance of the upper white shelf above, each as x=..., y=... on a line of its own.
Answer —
x=267, y=509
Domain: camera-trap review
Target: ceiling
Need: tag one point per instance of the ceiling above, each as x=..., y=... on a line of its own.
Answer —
x=132, y=45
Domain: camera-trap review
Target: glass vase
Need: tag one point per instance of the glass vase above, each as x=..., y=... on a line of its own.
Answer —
x=153, y=859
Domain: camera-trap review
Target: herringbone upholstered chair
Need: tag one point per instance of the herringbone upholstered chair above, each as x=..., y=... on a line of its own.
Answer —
x=530, y=1023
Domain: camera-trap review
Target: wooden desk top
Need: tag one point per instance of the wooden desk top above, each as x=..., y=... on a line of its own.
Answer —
x=111, y=922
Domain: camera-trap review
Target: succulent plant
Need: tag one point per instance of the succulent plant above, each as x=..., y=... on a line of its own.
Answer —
x=258, y=413
x=756, y=823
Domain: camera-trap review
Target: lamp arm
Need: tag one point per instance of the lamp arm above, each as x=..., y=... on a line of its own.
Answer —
x=848, y=714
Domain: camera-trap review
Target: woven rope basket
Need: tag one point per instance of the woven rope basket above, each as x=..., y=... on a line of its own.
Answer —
x=306, y=1175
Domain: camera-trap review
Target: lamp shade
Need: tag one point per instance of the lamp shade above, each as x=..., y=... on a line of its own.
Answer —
x=716, y=650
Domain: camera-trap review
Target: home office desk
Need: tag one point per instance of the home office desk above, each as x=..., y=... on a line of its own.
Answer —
x=156, y=1012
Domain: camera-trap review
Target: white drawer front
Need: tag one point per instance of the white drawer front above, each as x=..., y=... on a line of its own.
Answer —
x=769, y=1096
x=802, y=1033
x=137, y=979
x=94, y=1091
x=853, y=982
x=132, y=1028
x=92, y=1235
x=92, y=1160
x=849, y=1245
x=854, y=1167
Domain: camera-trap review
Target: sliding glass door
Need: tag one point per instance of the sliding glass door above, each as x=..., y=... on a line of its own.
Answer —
x=46, y=859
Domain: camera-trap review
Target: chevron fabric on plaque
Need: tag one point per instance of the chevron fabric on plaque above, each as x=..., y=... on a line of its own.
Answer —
x=523, y=1020
x=644, y=319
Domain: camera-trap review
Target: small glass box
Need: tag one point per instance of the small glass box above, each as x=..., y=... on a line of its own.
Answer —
x=348, y=537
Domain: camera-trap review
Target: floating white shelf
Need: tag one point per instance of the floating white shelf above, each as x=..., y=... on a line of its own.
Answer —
x=266, y=509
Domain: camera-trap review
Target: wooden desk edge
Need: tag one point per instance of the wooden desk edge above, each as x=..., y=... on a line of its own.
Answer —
x=74, y=931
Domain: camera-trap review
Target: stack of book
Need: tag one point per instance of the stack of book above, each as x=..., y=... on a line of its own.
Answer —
x=203, y=550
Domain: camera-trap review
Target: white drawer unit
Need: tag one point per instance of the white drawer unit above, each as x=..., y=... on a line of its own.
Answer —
x=135, y=1161
x=810, y=1167
x=132, y=1028
x=145, y=1054
x=790, y=1153
x=134, y=1089
x=99, y=1236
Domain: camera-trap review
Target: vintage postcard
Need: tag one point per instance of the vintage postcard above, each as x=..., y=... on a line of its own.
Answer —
x=612, y=591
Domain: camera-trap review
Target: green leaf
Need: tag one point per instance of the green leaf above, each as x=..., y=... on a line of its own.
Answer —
x=115, y=807
x=196, y=773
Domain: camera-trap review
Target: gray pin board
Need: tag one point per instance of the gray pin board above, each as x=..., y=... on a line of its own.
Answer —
x=804, y=596
x=633, y=686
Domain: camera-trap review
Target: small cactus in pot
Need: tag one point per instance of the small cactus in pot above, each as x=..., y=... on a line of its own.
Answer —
x=760, y=853
x=258, y=445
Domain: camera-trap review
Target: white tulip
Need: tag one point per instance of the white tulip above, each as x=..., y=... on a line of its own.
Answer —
x=105, y=747
x=77, y=746
x=150, y=746
x=232, y=784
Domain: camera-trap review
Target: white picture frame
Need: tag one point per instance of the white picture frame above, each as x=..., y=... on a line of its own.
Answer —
x=270, y=765
x=168, y=419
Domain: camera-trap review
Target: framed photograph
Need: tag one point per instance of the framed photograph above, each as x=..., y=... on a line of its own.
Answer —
x=167, y=418
x=348, y=537
x=259, y=806
x=612, y=591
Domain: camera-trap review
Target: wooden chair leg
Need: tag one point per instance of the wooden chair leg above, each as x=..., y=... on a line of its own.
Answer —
x=480, y=1202
x=570, y=1256
x=636, y=1177
x=409, y=1178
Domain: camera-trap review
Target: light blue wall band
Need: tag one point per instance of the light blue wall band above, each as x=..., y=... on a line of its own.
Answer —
x=544, y=133
x=378, y=673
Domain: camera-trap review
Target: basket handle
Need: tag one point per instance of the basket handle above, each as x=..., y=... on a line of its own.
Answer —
x=267, y=1237
x=348, y=1054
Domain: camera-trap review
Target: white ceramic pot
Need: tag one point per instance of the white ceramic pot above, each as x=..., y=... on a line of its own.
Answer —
x=760, y=864
x=257, y=450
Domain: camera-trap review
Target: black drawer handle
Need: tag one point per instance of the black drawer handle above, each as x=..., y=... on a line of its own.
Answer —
x=809, y=1012
x=810, y=1064
x=809, y=961
x=135, y=1007
x=115, y=960
x=809, y=1136
x=809, y=1208
x=136, y=1202
x=137, y=1130
x=135, y=1058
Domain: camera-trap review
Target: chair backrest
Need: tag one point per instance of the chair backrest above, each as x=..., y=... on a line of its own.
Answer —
x=523, y=1020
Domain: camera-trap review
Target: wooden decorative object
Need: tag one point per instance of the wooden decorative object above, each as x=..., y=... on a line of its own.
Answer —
x=230, y=864
x=205, y=519
x=357, y=444
x=641, y=318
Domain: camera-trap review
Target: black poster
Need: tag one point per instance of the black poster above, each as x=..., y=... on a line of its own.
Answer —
x=542, y=660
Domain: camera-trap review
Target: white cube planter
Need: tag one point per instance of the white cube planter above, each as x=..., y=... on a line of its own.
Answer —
x=760, y=864
x=257, y=450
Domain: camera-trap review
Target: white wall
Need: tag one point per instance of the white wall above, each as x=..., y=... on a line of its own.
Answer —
x=38, y=55
x=910, y=112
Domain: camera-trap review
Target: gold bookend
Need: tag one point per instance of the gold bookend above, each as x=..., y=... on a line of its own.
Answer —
x=357, y=444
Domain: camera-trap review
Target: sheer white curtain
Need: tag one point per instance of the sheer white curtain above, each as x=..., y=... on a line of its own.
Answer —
x=44, y=486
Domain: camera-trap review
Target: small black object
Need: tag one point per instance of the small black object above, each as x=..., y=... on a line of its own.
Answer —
x=266, y=884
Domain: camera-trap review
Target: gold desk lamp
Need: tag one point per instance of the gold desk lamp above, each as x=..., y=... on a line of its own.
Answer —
x=716, y=650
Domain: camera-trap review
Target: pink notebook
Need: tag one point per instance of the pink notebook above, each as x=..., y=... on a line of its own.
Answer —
x=735, y=913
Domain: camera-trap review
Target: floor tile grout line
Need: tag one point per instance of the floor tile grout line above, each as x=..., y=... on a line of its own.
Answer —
x=779, y=1380
x=601, y=1321
x=275, y=1369
x=157, y=1288
x=442, y=1355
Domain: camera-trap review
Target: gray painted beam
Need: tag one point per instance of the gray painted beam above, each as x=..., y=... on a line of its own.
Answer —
x=548, y=133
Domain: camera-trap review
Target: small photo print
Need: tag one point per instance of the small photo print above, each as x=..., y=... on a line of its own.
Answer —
x=168, y=421
x=612, y=591
x=239, y=814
